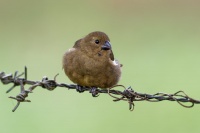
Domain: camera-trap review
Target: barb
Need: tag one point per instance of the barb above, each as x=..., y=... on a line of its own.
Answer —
x=128, y=94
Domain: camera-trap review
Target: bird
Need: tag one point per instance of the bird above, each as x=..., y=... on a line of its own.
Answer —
x=91, y=63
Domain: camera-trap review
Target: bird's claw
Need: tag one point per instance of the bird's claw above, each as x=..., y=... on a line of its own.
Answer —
x=80, y=89
x=94, y=91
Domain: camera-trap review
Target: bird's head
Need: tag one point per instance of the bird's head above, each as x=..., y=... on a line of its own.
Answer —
x=96, y=44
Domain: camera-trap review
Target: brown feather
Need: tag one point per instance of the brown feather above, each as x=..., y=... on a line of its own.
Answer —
x=88, y=65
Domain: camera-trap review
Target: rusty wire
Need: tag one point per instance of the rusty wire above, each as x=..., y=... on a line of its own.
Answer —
x=128, y=94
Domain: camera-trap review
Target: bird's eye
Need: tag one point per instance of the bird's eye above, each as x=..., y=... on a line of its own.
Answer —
x=97, y=41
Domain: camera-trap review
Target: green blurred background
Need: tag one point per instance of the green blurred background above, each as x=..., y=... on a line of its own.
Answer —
x=158, y=42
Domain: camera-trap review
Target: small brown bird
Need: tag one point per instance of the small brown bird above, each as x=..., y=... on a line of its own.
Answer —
x=91, y=63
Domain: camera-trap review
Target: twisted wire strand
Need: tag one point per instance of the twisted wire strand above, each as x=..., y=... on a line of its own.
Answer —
x=128, y=94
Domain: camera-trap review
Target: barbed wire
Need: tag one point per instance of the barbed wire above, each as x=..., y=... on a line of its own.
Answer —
x=128, y=94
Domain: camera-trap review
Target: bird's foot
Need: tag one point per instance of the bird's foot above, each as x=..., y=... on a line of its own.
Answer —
x=94, y=91
x=80, y=89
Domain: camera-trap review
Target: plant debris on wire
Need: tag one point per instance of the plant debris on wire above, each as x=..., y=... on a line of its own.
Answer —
x=128, y=94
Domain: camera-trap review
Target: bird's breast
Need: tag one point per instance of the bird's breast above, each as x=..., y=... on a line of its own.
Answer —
x=91, y=71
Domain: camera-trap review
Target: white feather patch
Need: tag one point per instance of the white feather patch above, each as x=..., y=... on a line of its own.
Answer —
x=71, y=49
x=115, y=63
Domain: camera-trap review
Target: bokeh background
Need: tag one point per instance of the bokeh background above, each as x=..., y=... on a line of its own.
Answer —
x=157, y=41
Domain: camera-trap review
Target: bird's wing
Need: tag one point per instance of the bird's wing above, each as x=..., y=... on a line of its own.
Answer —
x=112, y=56
x=77, y=44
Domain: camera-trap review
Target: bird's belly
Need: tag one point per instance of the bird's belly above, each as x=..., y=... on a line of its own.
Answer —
x=92, y=73
x=99, y=78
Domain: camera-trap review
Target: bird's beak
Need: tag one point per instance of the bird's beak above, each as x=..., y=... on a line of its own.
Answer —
x=106, y=46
